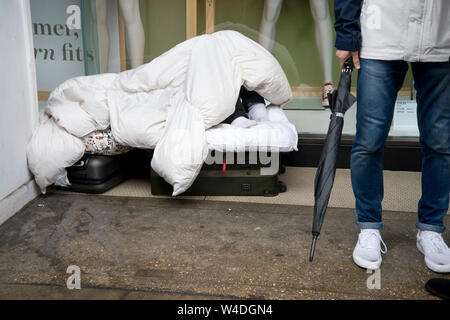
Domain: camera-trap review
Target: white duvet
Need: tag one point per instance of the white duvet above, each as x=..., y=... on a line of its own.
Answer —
x=169, y=103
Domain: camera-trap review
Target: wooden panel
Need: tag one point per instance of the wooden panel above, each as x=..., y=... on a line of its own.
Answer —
x=191, y=18
x=122, y=45
x=43, y=95
x=210, y=15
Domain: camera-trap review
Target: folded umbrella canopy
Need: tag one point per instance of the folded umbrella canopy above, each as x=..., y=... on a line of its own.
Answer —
x=340, y=101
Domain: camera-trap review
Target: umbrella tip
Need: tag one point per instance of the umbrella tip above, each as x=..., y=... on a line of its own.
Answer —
x=313, y=248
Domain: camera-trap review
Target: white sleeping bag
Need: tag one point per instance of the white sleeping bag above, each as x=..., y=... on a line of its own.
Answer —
x=169, y=102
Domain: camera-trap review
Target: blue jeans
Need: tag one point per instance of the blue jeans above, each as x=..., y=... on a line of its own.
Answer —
x=378, y=84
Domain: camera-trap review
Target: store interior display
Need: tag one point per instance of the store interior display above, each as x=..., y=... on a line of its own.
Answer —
x=134, y=32
x=323, y=33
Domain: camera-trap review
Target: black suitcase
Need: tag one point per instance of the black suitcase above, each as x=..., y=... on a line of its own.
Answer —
x=96, y=173
x=233, y=180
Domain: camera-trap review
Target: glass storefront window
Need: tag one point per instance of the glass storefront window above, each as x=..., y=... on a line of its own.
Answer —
x=82, y=37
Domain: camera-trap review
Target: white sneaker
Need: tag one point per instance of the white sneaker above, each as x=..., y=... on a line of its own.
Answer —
x=243, y=122
x=367, y=253
x=258, y=112
x=436, y=252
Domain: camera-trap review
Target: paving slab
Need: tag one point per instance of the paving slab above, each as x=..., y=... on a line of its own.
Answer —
x=151, y=248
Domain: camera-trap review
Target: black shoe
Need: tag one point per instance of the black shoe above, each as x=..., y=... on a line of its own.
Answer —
x=439, y=288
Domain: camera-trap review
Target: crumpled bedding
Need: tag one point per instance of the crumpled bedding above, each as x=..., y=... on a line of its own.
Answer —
x=169, y=103
x=276, y=133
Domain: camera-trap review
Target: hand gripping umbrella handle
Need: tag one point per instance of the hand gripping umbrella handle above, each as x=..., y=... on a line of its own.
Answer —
x=348, y=65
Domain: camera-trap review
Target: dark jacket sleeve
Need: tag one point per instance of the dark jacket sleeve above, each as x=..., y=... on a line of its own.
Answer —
x=348, y=31
x=250, y=98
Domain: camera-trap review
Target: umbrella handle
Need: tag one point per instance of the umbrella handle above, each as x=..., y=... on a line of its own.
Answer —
x=348, y=65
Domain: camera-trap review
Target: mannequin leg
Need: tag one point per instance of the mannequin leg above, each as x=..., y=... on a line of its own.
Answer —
x=103, y=34
x=324, y=36
x=134, y=31
x=269, y=20
x=324, y=42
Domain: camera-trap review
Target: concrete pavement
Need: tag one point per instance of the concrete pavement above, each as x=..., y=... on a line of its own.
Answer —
x=138, y=248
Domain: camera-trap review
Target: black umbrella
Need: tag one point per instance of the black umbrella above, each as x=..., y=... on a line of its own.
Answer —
x=340, y=101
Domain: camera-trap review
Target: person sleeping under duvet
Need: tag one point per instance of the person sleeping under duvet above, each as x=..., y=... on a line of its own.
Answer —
x=250, y=108
x=167, y=104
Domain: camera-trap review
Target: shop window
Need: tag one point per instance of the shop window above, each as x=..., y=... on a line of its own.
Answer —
x=85, y=37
